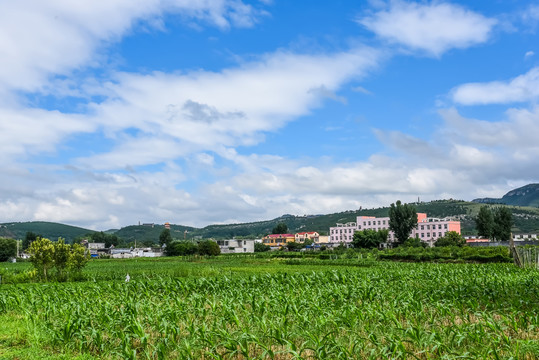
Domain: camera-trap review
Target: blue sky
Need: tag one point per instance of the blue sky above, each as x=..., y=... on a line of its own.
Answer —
x=217, y=111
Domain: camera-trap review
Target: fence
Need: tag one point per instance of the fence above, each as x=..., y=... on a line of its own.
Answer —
x=528, y=256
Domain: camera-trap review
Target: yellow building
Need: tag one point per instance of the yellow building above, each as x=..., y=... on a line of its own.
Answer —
x=277, y=239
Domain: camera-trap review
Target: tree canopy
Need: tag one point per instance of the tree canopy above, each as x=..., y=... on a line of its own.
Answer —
x=46, y=255
x=369, y=239
x=484, y=222
x=280, y=228
x=494, y=223
x=181, y=248
x=259, y=247
x=451, y=238
x=165, y=238
x=402, y=220
x=503, y=221
x=208, y=247
x=8, y=249
x=28, y=238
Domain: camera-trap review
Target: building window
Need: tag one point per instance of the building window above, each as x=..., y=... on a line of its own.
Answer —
x=422, y=235
x=445, y=226
x=428, y=234
x=439, y=234
x=439, y=226
x=422, y=227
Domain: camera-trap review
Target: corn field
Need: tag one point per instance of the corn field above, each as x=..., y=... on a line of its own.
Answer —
x=388, y=311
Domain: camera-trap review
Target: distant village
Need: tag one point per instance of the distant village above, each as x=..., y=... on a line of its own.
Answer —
x=428, y=230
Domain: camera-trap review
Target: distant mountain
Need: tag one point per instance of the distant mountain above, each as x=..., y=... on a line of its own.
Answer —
x=50, y=230
x=527, y=195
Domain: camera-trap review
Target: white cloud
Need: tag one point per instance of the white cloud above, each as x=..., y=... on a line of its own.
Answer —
x=203, y=111
x=433, y=28
x=520, y=89
x=187, y=125
x=259, y=187
x=32, y=131
x=531, y=15
x=528, y=54
x=40, y=39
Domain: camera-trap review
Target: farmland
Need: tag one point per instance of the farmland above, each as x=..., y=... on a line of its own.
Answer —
x=251, y=307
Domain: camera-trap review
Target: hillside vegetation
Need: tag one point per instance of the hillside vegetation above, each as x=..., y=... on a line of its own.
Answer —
x=526, y=220
x=50, y=230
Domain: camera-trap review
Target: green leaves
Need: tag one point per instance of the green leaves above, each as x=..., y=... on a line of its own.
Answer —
x=46, y=255
x=494, y=223
x=369, y=239
x=8, y=249
x=402, y=219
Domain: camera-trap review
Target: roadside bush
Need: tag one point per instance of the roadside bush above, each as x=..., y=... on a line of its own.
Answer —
x=449, y=253
x=181, y=248
x=208, y=247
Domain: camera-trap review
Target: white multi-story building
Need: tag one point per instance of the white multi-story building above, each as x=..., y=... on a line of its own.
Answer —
x=428, y=229
x=233, y=246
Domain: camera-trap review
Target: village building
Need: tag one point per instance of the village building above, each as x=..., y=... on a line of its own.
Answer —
x=428, y=229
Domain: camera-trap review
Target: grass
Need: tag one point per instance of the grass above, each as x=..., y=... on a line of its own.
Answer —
x=258, y=308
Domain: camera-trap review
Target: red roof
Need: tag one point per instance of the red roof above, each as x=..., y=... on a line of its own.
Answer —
x=308, y=232
x=280, y=235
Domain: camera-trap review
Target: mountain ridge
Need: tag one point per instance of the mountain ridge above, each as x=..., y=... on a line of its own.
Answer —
x=526, y=220
x=527, y=195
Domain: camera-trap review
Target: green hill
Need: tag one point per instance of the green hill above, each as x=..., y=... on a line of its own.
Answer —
x=527, y=195
x=526, y=220
x=150, y=233
x=50, y=230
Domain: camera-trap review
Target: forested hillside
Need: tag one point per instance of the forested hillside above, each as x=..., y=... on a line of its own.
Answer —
x=50, y=230
x=526, y=220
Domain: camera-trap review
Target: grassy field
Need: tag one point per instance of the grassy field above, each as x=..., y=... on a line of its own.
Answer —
x=258, y=308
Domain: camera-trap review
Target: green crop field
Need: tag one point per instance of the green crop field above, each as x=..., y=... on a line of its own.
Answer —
x=271, y=308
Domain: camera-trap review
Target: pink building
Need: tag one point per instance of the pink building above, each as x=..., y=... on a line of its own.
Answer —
x=428, y=229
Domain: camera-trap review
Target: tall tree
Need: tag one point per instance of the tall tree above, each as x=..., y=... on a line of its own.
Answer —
x=503, y=220
x=79, y=257
x=30, y=236
x=8, y=249
x=402, y=220
x=62, y=259
x=484, y=222
x=42, y=256
x=165, y=238
x=280, y=228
